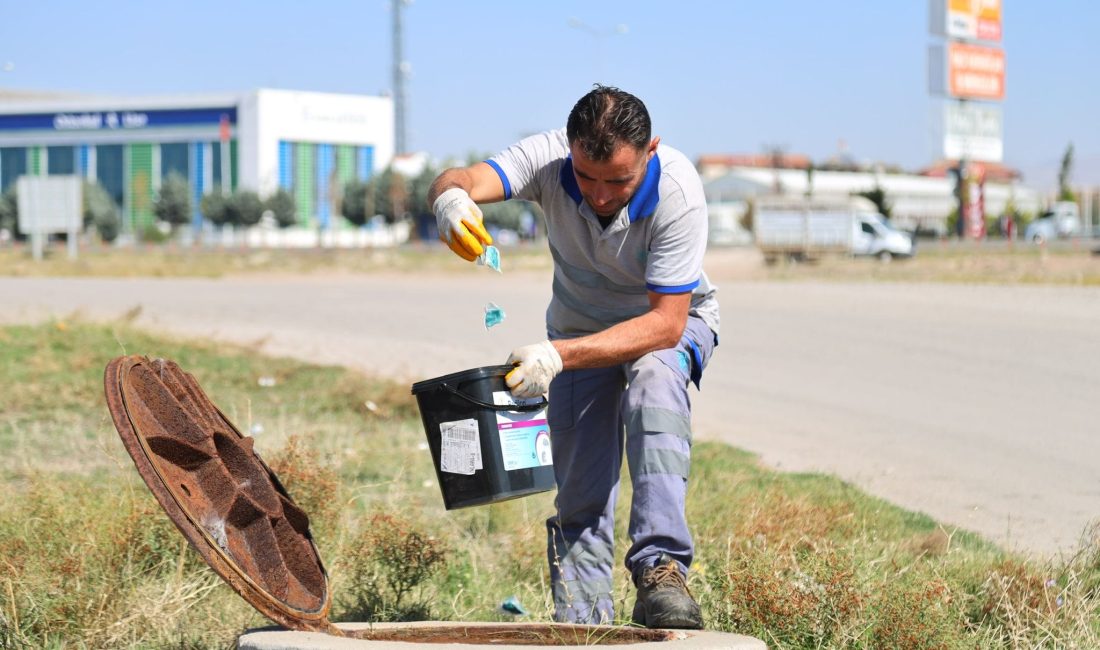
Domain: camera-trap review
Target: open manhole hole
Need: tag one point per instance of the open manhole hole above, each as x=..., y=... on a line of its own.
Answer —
x=532, y=634
x=234, y=511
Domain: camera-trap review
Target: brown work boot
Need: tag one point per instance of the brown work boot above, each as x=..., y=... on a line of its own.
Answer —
x=664, y=600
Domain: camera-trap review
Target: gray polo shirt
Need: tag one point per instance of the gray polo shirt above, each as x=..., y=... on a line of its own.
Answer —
x=602, y=276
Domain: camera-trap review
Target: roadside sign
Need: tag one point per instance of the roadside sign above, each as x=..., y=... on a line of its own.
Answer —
x=973, y=132
x=965, y=71
x=976, y=20
x=50, y=204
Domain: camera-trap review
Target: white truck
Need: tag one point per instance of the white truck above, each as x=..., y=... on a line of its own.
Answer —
x=804, y=229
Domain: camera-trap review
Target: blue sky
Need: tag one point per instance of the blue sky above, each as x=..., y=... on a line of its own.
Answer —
x=718, y=77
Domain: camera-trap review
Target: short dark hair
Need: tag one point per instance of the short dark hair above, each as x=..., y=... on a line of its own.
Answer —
x=605, y=118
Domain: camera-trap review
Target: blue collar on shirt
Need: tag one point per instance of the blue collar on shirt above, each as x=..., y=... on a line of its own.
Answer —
x=644, y=202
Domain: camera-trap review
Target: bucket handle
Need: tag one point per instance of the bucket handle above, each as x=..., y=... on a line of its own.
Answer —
x=522, y=408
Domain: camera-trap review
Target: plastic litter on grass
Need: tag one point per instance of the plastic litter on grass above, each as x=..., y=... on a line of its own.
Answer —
x=511, y=606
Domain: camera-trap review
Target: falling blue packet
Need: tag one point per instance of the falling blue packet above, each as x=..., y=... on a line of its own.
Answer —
x=490, y=258
x=494, y=315
x=511, y=606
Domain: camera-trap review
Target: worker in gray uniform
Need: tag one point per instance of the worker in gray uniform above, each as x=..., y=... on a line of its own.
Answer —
x=632, y=322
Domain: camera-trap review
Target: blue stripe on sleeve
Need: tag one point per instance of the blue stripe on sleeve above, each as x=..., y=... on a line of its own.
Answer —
x=683, y=288
x=503, y=178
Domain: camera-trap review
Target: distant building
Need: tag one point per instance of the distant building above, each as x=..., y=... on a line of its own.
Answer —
x=993, y=172
x=308, y=143
x=715, y=165
x=918, y=202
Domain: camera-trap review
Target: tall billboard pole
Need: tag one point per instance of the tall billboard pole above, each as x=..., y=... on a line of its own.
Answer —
x=967, y=68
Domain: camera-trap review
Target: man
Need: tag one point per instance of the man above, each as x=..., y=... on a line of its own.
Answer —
x=633, y=319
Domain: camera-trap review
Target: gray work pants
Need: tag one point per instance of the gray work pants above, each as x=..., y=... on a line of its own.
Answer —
x=591, y=411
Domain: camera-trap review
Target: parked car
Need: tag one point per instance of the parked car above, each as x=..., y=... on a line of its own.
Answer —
x=1062, y=220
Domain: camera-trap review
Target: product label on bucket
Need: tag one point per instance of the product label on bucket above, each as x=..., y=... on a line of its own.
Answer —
x=459, y=447
x=524, y=437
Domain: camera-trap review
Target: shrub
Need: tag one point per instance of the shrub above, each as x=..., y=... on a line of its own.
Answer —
x=314, y=487
x=283, y=207
x=386, y=568
x=101, y=212
x=214, y=208
x=809, y=598
x=173, y=202
x=245, y=208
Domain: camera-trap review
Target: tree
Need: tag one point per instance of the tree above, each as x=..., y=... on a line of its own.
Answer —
x=245, y=208
x=505, y=214
x=1065, y=193
x=214, y=208
x=101, y=212
x=173, y=203
x=397, y=191
x=362, y=200
x=9, y=212
x=878, y=197
x=358, y=202
x=283, y=207
x=418, y=190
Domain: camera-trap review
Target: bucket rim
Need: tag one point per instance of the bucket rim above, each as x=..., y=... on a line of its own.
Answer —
x=473, y=374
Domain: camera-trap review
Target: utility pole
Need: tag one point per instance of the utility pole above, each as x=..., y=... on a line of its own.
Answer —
x=400, y=75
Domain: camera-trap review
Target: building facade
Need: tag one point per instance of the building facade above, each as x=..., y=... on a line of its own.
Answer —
x=307, y=143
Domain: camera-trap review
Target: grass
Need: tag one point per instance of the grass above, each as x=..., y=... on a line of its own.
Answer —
x=88, y=559
x=1069, y=263
x=171, y=260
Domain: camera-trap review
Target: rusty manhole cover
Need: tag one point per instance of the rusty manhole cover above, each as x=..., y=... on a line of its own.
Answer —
x=223, y=498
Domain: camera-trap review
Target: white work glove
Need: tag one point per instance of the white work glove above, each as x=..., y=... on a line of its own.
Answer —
x=460, y=223
x=538, y=364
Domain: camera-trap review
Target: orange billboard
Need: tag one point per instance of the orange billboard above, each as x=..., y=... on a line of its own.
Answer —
x=975, y=72
x=970, y=19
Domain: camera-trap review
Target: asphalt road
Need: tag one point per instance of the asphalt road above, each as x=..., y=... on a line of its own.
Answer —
x=974, y=404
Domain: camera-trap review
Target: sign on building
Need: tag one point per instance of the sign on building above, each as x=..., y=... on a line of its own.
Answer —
x=975, y=20
x=973, y=132
x=965, y=71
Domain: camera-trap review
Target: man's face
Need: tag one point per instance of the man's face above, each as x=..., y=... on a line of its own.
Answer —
x=608, y=185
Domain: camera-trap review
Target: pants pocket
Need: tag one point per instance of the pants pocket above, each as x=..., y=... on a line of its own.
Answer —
x=559, y=414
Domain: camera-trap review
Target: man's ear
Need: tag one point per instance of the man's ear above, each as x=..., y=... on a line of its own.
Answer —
x=652, y=149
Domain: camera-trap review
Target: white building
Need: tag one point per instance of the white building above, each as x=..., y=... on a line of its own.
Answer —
x=308, y=143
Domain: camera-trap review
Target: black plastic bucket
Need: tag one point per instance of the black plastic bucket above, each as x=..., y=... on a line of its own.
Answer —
x=486, y=445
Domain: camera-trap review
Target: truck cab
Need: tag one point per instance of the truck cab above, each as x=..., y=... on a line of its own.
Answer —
x=877, y=238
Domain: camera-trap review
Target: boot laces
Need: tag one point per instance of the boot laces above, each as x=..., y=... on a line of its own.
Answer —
x=667, y=576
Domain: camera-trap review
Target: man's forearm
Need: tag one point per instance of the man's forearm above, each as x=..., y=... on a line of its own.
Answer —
x=450, y=178
x=478, y=180
x=621, y=343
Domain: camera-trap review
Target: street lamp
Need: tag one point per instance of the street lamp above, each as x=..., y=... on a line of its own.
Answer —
x=598, y=35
